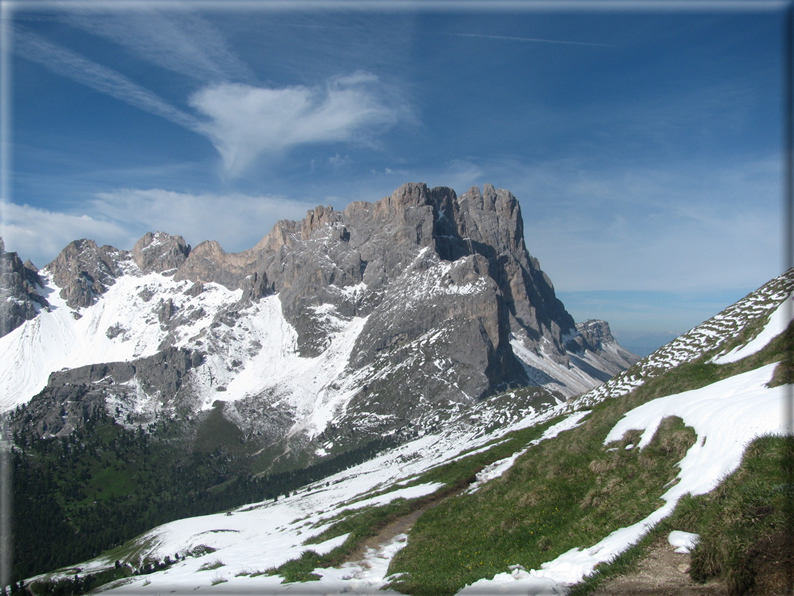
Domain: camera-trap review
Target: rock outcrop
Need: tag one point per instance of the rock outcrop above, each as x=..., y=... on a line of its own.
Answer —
x=20, y=283
x=84, y=271
x=160, y=252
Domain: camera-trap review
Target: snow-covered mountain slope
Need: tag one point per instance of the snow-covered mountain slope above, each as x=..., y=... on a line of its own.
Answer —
x=228, y=552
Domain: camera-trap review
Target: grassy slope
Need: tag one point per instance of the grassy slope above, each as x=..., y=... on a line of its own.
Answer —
x=564, y=493
x=363, y=523
x=743, y=525
x=567, y=492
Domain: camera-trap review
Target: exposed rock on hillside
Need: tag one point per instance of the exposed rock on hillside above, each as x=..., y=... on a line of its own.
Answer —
x=160, y=252
x=84, y=271
x=20, y=299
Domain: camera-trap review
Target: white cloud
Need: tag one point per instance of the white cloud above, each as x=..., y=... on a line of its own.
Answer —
x=40, y=234
x=120, y=217
x=237, y=221
x=247, y=122
x=243, y=121
x=67, y=63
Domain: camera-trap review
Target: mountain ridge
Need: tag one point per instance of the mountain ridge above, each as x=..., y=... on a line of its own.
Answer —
x=334, y=335
x=380, y=270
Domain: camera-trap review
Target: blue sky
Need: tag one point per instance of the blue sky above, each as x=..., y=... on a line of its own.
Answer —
x=643, y=140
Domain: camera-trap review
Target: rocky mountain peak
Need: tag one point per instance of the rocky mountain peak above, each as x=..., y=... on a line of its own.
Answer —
x=160, y=252
x=595, y=334
x=20, y=283
x=435, y=293
x=84, y=271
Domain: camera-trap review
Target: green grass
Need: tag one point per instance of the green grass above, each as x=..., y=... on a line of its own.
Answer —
x=360, y=525
x=743, y=524
x=363, y=523
x=563, y=493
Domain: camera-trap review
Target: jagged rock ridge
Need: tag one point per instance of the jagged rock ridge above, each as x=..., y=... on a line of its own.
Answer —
x=344, y=325
x=20, y=283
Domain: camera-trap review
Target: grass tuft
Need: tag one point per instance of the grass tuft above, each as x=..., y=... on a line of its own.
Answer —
x=211, y=565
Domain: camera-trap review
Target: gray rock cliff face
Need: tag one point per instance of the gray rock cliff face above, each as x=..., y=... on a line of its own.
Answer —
x=160, y=252
x=20, y=283
x=73, y=396
x=84, y=271
x=311, y=262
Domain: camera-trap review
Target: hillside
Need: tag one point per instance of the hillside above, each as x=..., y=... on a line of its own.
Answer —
x=672, y=444
x=167, y=381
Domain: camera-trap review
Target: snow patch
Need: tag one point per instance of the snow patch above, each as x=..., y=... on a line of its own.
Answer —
x=729, y=413
x=683, y=542
x=778, y=321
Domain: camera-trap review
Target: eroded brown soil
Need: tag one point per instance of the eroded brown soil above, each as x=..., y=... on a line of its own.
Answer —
x=663, y=572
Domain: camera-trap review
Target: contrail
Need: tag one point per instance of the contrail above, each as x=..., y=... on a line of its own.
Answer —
x=64, y=62
x=183, y=43
x=533, y=39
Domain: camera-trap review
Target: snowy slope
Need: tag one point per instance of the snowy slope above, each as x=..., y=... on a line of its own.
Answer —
x=259, y=536
x=258, y=356
x=251, y=350
x=715, y=336
x=725, y=416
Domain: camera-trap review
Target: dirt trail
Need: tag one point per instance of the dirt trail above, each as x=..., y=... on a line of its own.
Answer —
x=663, y=572
x=401, y=525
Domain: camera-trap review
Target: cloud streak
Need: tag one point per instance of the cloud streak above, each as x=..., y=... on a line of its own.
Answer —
x=532, y=39
x=236, y=220
x=244, y=122
x=40, y=234
x=183, y=43
x=67, y=63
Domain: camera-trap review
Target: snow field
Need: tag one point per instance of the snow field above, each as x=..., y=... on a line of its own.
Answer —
x=778, y=321
x=263, y=535
x=55, y=340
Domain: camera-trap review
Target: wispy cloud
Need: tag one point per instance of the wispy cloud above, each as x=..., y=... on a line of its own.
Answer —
x=243, y=121
x=236, y=220
x=532, y=39
x=181, y=42
x=67, y=63
x=40, y=234
x=247, y=122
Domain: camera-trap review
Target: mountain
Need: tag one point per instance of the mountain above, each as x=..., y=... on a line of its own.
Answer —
x=386, y=316
x=170, y=381
x=683, y=448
